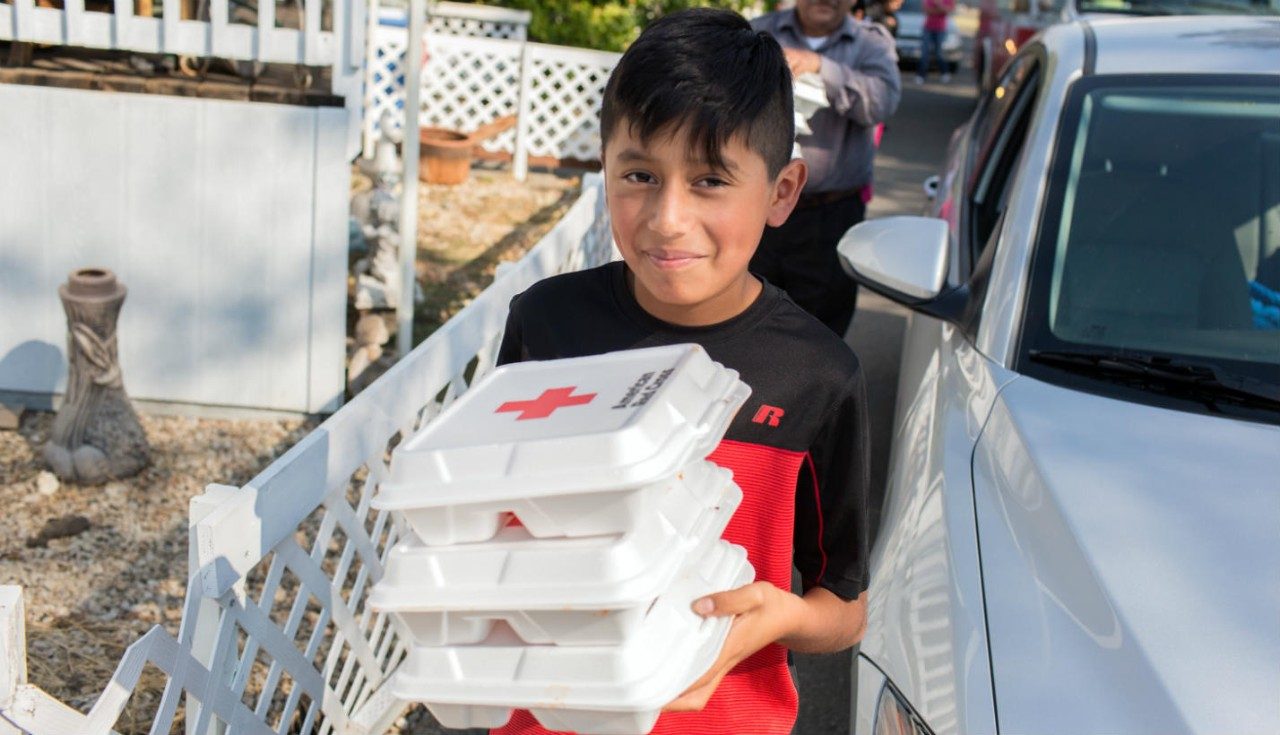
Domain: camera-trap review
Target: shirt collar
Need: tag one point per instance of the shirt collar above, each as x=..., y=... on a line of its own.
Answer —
x=789, y=20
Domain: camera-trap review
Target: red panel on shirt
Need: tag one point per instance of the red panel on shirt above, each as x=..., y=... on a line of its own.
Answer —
x=758, y=696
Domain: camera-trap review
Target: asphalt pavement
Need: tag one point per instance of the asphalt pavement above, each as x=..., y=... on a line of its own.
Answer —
x=913, y=148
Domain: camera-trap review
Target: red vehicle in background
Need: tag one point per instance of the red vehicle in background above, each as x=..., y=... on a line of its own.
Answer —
x=1003, y=26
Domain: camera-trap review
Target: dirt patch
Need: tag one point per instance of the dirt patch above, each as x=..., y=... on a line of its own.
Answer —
x=464, y=231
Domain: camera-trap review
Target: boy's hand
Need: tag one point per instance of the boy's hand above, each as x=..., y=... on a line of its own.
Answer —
x=763, y=614
x=802, y=61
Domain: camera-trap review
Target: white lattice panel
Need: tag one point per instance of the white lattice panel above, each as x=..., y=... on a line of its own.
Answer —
x=276, y=636
x=386, y=82
x=473, y=27
x=470, y=81
x=566, y=89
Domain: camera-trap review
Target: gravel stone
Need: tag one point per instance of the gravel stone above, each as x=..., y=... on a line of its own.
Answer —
x=47, y=483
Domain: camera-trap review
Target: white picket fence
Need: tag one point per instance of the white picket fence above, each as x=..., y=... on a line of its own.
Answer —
x=275, y=635
x=469, y=80
x=338, y=44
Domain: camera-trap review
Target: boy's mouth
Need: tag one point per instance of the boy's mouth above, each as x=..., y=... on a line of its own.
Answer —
x=671, y=259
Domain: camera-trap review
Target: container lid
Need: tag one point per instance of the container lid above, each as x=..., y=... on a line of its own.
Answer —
x=534, y=429
x=518, y=572
x=670, y=650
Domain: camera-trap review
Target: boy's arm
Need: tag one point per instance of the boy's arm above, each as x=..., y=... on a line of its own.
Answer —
x=831, y=554
x=819, y=622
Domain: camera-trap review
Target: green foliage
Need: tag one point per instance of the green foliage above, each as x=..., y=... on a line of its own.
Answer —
x=608, y=25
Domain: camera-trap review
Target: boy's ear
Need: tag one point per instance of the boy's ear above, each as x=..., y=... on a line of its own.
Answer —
x=786, y=191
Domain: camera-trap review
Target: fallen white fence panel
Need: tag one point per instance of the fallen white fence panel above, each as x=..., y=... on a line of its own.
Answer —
x=276, y=636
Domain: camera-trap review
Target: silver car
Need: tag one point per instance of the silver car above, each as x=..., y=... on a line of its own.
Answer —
x=1082, y=525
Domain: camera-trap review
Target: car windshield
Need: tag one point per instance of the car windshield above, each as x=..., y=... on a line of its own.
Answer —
x=1162, y=232
x=1181, y=7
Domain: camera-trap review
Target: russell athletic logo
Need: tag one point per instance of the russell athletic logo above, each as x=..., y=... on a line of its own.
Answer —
x=767, y=414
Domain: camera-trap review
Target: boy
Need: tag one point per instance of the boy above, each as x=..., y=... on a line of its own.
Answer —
x=697, y=127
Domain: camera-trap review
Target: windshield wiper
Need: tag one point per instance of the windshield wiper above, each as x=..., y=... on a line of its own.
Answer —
x=1191, y=379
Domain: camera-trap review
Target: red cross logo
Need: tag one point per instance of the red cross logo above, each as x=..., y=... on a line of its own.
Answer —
x=542, y=406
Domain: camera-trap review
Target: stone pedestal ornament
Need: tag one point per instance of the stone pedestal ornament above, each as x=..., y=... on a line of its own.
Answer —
x=96, y=435
x=378, y=274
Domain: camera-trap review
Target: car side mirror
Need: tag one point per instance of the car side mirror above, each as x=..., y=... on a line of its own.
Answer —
x=931, y=185
x=904, y=259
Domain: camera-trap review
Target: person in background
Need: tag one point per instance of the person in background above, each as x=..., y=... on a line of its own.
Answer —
x=885, y=12
x=935, y=32
x=857, y=64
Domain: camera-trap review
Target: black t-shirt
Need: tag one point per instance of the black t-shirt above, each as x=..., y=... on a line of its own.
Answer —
x=798, y=447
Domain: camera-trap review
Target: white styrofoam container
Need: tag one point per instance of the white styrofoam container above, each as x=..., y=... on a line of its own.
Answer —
x=574, y=447
x=602, y=690
x=569, y=591
x=809, y=95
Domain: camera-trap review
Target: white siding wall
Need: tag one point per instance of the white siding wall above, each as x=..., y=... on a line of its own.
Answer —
x=226, y=220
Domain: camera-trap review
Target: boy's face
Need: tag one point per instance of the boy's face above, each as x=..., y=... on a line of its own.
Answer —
x=686, y=230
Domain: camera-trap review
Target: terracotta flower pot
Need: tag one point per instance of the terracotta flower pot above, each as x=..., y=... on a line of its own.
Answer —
x=445, y=155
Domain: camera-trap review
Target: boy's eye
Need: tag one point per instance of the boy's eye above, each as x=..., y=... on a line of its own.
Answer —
x=639, y=177
x=713, y=182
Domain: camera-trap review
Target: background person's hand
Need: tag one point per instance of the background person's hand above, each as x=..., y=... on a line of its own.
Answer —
x=802, y=61
x=762, y=614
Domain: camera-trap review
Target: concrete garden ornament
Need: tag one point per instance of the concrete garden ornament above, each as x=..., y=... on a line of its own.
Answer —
x=96, y=434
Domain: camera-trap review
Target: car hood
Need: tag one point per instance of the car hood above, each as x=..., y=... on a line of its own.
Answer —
x=1131, y=565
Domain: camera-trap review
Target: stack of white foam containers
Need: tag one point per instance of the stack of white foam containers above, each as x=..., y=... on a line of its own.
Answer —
x=564, y=519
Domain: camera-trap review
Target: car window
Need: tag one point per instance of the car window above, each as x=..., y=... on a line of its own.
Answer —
x=1161, y=234
x=1181, y=7
x=1001, y=139
x=996, y=103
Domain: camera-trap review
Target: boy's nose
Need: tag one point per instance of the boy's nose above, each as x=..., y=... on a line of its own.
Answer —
x=669, y=213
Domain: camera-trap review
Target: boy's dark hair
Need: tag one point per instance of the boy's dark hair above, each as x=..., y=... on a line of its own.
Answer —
x=708, y=70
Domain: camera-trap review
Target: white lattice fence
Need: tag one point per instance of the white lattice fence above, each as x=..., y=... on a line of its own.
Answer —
x=479, y=21
x=275, y=635
x=468, y=82
x=384, y=73
x=554, y=90
x=562, y=107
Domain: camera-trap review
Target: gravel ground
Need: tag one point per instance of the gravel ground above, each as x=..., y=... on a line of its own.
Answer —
x=465, y=231
x=90, y=595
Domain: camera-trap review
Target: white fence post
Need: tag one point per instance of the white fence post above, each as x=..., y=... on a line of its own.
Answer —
x=13, y=644
x=369, y=135
x=202, y=632
x=524, y=114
